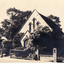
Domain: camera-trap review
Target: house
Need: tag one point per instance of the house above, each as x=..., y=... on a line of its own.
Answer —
x=36, y=19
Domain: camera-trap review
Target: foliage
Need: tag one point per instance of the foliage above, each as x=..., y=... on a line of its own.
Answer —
x=41, y=36
x=55, y=19
x=5, y=23
x=17, y=14
x=46, y=38
x=1, y=32
x=16, y=22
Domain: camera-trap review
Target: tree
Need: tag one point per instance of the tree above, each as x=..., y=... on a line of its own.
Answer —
x=45, y=38
x=17, y=20
x=55, y=19
x=17, y=14
x=1, y=32
x=5, y=24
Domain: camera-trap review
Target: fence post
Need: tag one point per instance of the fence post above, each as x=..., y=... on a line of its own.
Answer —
x=37, y=53
x=55, y=54
x=1, y=54
x=10, y=53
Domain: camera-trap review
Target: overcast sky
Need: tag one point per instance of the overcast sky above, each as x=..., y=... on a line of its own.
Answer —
x=45, y=7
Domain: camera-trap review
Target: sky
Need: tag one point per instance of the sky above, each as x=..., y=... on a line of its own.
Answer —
x=45, y=7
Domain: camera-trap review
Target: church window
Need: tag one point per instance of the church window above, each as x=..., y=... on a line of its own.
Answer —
x=37, y=23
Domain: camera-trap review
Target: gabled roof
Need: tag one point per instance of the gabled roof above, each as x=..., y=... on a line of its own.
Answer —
x=25, y=34
x=48, y=21
x=51, y=24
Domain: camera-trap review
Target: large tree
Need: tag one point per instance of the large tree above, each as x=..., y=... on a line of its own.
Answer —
x=44, y=37
x=55, y=19
x=15, y=23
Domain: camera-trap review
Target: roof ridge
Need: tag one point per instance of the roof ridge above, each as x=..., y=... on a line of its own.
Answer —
x=35, y=10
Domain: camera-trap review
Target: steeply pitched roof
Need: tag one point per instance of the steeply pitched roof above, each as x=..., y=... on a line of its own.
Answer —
x=24, y=34
x=49, y=22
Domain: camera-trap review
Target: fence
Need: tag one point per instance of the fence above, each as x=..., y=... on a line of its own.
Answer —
x=49, y=58
x=14, y=54
x=1, y=53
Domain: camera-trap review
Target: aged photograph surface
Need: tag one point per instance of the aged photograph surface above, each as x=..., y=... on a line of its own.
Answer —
x=31, y=31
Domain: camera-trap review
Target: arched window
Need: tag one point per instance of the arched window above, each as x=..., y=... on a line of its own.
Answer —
x=30, y=27
x=34, y=23
x=37, y=23
x=25, y=42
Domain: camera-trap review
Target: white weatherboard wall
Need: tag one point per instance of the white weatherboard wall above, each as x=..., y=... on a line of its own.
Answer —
x=38, y=17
